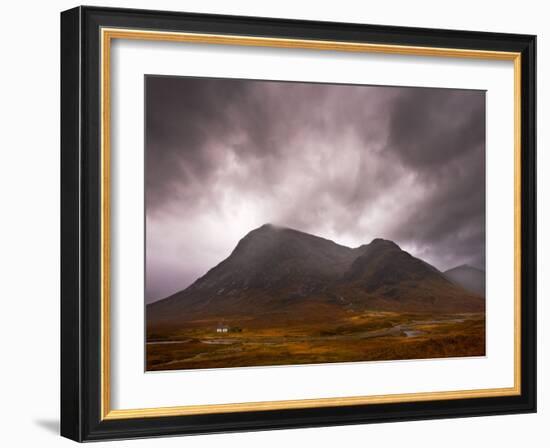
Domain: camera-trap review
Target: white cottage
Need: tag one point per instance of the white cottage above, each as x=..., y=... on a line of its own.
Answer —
x=222, y=328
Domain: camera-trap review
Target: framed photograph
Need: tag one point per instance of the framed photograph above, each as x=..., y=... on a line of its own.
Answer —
x=273, y=223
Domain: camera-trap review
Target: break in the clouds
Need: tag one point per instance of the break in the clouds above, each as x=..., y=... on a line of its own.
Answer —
x=346, y=162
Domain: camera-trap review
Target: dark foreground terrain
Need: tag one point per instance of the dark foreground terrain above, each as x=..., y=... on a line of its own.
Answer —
x=367, y=336
x=288, y=297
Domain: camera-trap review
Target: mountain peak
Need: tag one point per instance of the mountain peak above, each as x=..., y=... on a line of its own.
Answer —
x=469, y=277
x=269, y=226
x=382, y=242
x=464, y=267
x=264, y=231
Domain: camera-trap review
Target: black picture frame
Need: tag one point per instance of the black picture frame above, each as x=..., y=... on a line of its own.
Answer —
x=81, y=413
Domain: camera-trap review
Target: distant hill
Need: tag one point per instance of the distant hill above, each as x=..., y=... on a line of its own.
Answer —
x=470, y=278
x=276, y=273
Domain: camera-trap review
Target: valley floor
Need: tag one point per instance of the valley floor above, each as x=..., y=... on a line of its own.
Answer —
x=367, y=336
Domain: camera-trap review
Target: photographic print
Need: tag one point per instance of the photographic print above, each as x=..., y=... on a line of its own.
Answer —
x=300, y=223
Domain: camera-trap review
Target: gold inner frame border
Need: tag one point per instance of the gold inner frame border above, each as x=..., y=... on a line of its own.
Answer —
x=107, y=35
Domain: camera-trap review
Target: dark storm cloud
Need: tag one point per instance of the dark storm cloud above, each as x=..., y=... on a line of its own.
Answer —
x=430, y=128
x=440, y=134
x=180, y=119
x=349, y=163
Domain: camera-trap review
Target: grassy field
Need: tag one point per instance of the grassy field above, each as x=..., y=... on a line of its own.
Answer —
x=365, y=336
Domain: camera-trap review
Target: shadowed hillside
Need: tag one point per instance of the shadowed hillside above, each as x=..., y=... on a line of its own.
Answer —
x=279, y=274
x=470, y=278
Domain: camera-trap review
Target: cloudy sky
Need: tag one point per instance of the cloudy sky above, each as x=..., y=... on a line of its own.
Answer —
x=346, y=162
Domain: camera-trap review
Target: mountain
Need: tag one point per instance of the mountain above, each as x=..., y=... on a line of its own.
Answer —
x=276, y=273
x=395, y=280
x=470, y=278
